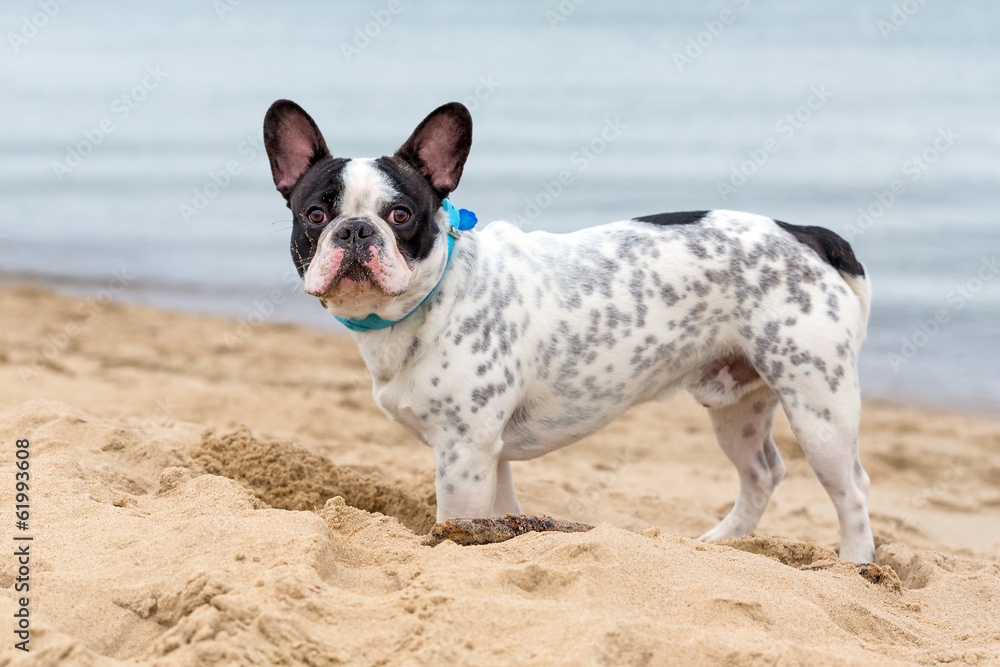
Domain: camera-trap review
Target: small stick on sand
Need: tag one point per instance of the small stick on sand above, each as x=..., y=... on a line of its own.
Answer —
x=498, y=529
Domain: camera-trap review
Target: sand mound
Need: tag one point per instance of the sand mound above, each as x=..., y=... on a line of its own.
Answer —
x=289, y=477
x=790, y=552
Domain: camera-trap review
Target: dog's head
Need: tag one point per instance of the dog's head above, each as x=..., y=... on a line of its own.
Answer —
x=368, y=235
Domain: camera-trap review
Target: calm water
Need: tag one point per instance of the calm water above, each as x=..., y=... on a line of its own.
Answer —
x=118, y=118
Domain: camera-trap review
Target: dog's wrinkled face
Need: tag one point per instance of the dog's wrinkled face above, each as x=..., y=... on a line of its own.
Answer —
x=368, y=235
x=361, y=230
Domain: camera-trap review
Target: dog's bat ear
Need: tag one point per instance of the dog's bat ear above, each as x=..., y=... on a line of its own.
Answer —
x=293, y=143
x=440, y=145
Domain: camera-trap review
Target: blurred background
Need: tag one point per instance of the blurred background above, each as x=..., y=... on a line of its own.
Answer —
x=131, y=158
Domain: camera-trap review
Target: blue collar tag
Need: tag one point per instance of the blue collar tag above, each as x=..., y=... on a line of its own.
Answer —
x=460, y=220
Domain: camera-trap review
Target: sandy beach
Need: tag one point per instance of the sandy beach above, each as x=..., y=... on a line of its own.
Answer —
x=210, y=492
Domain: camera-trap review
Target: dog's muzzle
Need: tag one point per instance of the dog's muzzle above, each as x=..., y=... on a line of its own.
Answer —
x=344, y=257
x=355, y=236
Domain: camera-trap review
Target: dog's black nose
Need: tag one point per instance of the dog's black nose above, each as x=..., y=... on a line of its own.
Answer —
x=356, y=228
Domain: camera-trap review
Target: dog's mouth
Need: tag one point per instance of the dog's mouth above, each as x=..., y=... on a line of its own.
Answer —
x=352, y=278
x=355, y=273
x=347, y=277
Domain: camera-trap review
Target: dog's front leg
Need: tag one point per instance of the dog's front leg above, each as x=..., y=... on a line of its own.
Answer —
x=465, y=481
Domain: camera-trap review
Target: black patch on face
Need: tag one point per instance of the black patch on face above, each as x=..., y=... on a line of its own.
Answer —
x=323, y=186
x=415, y=238
x=320, y=186
x=830, y=247
x=684, y=218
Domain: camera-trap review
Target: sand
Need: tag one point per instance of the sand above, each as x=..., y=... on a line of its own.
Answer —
x=204, y=493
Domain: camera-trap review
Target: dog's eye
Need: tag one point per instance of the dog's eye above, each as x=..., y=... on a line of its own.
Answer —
x=316, y=216
x=399, y=216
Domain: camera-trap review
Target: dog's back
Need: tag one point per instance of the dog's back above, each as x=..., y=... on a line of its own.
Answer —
x=598, y=320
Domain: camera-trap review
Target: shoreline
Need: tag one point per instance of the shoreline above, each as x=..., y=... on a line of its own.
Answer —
x=298, y=310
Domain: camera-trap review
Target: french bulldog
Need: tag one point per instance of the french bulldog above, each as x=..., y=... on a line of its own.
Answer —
x=497, y=345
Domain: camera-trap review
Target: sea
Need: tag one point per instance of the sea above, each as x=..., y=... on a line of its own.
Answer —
x=131, y=162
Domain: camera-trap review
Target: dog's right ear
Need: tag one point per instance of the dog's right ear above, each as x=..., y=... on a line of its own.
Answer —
x=293, y=143
x=440, y=145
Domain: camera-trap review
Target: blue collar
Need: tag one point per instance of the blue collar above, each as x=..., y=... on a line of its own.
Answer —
x=459, y=219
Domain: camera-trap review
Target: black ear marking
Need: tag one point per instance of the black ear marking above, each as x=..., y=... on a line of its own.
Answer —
x=439, y=146
x=293, y=142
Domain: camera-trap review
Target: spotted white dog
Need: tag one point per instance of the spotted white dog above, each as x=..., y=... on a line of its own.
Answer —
x=497, y=345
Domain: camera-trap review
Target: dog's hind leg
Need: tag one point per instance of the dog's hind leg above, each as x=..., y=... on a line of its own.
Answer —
x=743, y=430
x=506, y=498
x=825, y=418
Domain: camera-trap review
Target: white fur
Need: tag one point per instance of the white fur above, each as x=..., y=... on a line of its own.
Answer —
x=535, y=340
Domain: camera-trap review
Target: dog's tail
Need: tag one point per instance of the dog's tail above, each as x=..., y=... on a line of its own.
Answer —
x=862, y=288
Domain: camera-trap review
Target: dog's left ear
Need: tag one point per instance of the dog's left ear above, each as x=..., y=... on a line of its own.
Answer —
x=440, y=145
x=293, y=144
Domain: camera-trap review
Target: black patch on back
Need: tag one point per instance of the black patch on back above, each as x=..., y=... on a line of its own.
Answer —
x=683, y=218
x=830, y=247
